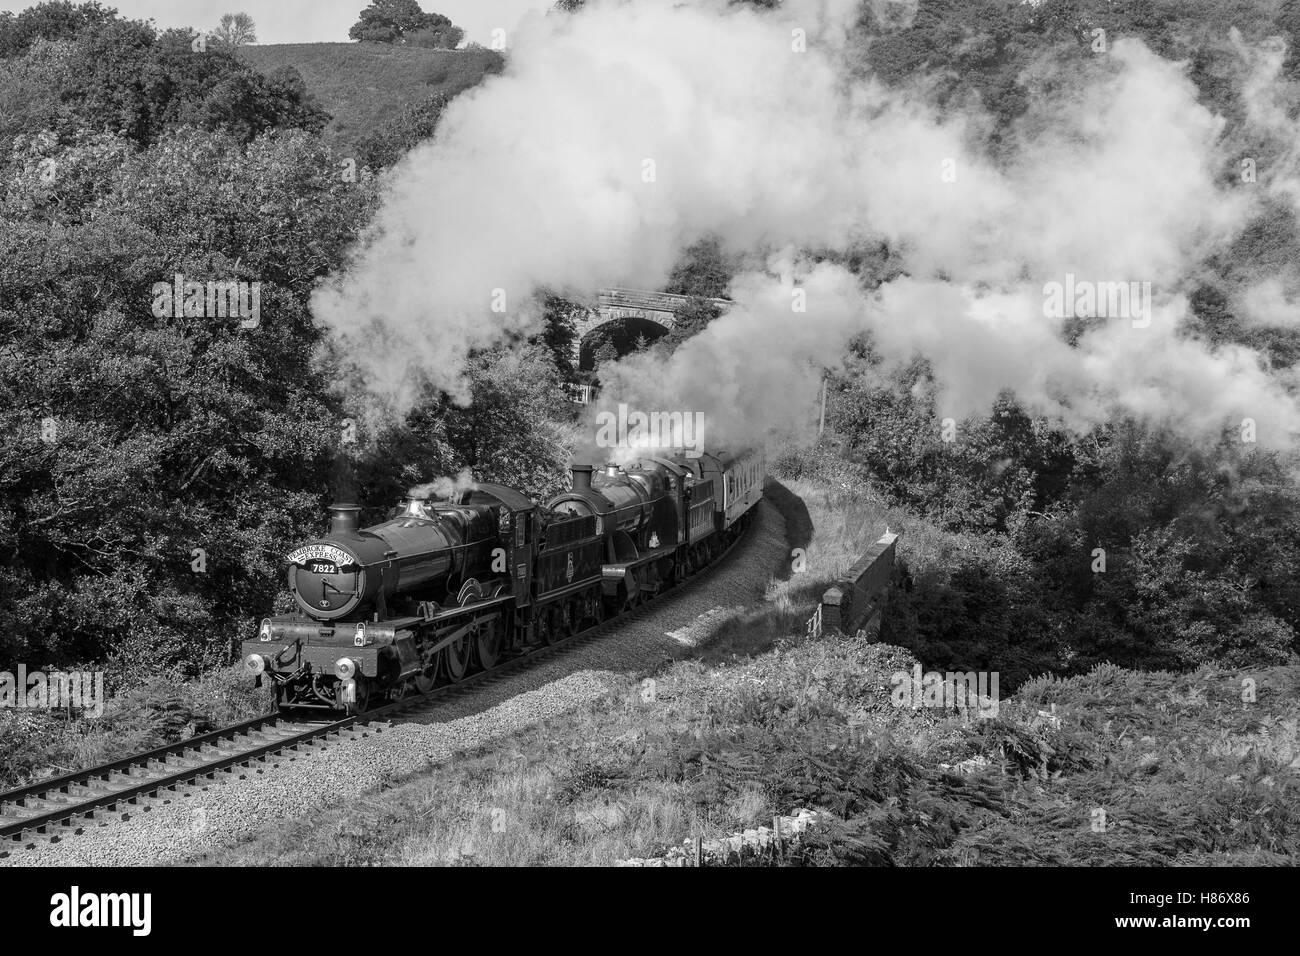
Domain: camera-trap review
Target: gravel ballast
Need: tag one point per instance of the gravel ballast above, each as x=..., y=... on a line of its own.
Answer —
x=292, y=785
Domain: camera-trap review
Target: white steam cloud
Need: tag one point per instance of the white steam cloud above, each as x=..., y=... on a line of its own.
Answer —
x=620, y=135
x=445, y=487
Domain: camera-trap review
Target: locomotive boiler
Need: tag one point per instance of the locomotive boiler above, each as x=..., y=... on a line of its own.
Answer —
x=635, y=503
x=424, y=554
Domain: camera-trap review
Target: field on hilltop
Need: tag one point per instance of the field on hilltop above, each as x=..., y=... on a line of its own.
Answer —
x=365, y=85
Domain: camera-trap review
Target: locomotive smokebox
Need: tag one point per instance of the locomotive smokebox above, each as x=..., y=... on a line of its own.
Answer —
x=582, y=477
x=344, y=518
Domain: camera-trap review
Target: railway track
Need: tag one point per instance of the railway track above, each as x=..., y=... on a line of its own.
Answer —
x=59, y=807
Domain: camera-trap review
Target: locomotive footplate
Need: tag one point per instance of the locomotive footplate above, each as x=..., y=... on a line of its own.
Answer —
x=286, y=646
x=640, y=574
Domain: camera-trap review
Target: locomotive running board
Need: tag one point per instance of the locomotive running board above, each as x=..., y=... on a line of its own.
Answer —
x=461, y=631
x=617, y=570
x=454, y=612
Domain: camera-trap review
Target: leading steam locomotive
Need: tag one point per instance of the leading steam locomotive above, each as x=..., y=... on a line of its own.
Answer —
x=448, y=586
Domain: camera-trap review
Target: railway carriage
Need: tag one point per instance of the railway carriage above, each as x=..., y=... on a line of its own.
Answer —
x=737, y=481
x=449, y=586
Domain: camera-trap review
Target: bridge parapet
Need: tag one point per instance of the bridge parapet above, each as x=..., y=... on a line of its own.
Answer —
x=855, y=603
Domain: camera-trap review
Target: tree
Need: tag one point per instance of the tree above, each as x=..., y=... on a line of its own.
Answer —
x=606, y=353
x=561, y=332
x=692, y=317
x=58, y=20
x=154, y=472
x=396, y=21
x=245, y=103
x=31, y=88
x=445, y=37
x=236, y=29
x=512, y=431
x=123, y=78
x=703, y=269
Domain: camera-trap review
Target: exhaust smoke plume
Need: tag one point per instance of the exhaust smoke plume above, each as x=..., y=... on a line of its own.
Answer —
x=621, y=134
x=444, y=488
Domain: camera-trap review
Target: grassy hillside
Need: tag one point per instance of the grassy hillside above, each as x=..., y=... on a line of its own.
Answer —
x=364, y=85
x=1113, y=768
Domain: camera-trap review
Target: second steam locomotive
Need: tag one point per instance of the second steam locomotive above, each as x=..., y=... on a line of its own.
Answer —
x=449, y=586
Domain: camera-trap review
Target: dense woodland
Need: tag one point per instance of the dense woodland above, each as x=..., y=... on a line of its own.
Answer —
x=129, y=443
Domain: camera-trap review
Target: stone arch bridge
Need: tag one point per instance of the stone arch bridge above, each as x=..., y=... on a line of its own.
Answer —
x=619, y=305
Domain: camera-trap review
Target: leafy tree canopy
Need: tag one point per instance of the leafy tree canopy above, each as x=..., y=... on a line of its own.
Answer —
x=52, y=20
x=148, y=439
x=403, y=21
x=122, y=77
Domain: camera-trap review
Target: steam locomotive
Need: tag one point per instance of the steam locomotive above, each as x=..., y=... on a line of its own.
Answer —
x=448, y=586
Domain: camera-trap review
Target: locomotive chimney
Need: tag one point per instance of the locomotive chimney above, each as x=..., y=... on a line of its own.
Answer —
x=581, y=477
x=344, y=518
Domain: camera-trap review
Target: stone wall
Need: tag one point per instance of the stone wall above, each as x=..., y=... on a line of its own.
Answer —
x=855, y=603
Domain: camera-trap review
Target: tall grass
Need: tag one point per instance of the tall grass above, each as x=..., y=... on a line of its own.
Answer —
x=1111, y=768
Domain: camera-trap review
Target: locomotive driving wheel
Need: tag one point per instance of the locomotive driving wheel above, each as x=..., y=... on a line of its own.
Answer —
x=595, y=607
x=570, y=615
x=551, y=625
x=488, y=642
x=425, y=680
x=455, y=659
x=560, y=622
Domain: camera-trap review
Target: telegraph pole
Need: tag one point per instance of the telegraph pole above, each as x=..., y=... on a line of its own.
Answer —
x=822, y=426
